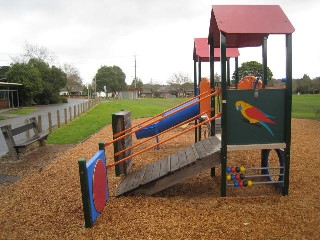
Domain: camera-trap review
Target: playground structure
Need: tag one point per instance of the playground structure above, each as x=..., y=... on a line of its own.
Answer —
x=253, y=117
x=200, y=55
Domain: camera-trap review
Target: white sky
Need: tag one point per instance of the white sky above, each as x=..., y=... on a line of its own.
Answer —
x=90, y=34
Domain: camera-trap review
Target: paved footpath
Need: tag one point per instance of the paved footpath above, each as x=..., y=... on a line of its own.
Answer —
x=18, y=120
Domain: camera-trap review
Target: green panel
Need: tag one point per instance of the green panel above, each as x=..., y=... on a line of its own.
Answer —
x=263, y=102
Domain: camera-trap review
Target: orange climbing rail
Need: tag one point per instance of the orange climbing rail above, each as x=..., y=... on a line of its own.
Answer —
x=152, y=137
x=160, y=114
x=154, y=121
x=161, y=142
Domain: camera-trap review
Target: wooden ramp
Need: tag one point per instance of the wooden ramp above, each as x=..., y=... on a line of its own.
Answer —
x=173, y=169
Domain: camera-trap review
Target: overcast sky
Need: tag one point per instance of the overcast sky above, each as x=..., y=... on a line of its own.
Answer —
x=90, y=34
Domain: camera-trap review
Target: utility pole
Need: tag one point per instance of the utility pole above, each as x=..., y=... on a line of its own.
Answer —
x=95, y=86
x=135, y=71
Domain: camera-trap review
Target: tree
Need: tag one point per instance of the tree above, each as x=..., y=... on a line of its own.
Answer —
x=74, y=81
x=304, y=85
x=112, y=77
x=217, y=77
x=35, y=52
x=137, y=83
x=53, y=79
x=30, y=77
x=316, y=85
x=252, y=68
x=179, y=83
x=3, y=72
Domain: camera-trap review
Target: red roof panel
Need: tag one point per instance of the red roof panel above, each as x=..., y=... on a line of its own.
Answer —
x=201, y=50
x=245, y=25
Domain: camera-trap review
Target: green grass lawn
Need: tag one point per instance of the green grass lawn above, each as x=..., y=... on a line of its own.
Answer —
x=74, y=132
x=304, y=105
x=100, y=116
x=23, y=111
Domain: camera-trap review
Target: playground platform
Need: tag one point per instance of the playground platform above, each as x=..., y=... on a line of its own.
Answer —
x=172, y=169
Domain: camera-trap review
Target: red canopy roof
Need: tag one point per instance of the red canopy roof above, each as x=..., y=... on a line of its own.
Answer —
x=201, y=50
x=246, y=25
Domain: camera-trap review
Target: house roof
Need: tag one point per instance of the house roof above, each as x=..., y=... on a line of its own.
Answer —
x=201, y=50
x=9, y=84
x=246, y=25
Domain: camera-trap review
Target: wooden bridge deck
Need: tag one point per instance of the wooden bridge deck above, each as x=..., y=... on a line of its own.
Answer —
x=173, y=169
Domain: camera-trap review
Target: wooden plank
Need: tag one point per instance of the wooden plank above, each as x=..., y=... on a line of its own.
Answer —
x=190, y=155
x=124, y=185
x=43, y=136
x=256, y=146
x=136, y=182
x=183, y=161
x=173, y=169
x=195, y=152
x=174, y=162
x=148, y=174
x=216, y=142
x=21, y=129
x=179, y=176
x=207, y=144
x=200, y=149
x=127, y=142
x=164, y=166
x=6, y=131
x=156, y=170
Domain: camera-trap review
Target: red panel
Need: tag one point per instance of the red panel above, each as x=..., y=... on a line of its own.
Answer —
x=201, y=50
x=99, y=186
x=245, y=25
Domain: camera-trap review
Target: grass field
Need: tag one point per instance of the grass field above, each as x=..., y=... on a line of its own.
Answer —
x=100, y=116
x=23, y=111
x=305, y=105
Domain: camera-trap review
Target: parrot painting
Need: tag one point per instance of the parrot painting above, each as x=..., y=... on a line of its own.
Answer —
x=254, y=115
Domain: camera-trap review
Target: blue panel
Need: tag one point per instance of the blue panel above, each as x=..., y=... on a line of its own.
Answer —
x=100, y=155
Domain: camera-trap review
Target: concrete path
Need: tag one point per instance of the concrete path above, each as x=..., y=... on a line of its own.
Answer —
x=18, y=120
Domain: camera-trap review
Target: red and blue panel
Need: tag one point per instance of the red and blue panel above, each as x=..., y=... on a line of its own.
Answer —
x=94, y=186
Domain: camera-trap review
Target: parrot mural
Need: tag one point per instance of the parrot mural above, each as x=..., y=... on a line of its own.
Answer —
x=254, y=115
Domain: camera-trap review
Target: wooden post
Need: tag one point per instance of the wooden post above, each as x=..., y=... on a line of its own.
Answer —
x=37, y=129
x=58, y=118
x=65, y=116
x=74, y=111
x=70, y=114
x=40, y=123
x=6, y=131
x=78, y=109
x=121, y=121
x=50, y=121
x=27, y=132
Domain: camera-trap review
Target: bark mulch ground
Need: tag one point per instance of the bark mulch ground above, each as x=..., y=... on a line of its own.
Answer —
x=45, y=203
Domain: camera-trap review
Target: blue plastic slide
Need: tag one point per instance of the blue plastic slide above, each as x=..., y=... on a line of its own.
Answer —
x=170, y=121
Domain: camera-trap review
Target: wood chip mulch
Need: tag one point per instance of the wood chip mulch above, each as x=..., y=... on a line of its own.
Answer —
x=46, y=202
